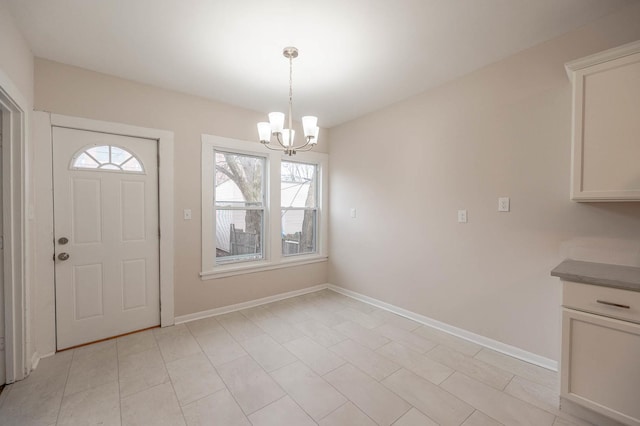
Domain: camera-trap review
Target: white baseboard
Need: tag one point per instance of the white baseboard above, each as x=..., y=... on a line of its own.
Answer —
x=35, y=359
x=249, y=304
x=430, y=322
x=47, y=355
x=455, y=331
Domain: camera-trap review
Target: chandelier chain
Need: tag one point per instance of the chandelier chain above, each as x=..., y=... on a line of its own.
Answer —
x=290, y=91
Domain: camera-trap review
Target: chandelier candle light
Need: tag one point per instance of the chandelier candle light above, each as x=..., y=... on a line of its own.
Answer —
x=275, y=126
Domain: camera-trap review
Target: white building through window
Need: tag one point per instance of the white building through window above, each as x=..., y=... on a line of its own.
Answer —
x=260, y=210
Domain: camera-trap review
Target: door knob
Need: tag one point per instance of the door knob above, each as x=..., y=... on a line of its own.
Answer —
x=63, y=256
x=63, y=240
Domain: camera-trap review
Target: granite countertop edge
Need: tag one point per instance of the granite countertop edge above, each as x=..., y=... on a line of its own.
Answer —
x=600, y=274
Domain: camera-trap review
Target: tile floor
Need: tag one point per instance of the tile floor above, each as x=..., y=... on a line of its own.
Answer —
x=318, y=359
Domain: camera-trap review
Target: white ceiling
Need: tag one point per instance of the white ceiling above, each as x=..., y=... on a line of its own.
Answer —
x=356, y=56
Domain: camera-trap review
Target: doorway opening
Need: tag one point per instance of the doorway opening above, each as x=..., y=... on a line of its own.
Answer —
x=13, y=297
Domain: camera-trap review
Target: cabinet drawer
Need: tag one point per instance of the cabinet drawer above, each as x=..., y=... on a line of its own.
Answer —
x=602, y=300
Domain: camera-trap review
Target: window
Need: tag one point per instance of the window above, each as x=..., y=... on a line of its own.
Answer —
x=239, y=205
x=260, y=210
x=106, y=157
x=299, y=212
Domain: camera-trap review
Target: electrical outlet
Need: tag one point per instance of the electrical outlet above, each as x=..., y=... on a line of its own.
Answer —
x=353, y=212
x=462, y=216
x=503, y=204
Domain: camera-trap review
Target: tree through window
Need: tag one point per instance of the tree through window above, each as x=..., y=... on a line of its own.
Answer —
x=239, y=205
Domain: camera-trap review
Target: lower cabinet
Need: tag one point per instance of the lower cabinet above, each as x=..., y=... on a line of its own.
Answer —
x=600, y=365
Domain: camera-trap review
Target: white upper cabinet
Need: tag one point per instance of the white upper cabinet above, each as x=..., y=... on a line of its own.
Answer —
x=605, y=162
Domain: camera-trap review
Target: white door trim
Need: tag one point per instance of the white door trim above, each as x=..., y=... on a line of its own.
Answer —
x=44, y=313
x=165, y=186
x=16, y=264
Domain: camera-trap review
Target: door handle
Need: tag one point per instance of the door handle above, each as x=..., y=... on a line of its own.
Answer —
x=617, y=305
x=63, y=256
x=63, y=240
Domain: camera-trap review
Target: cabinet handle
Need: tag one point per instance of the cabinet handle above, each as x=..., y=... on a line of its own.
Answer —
x=617, y=305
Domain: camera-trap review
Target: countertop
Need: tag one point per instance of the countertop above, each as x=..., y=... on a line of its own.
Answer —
x=602, y=274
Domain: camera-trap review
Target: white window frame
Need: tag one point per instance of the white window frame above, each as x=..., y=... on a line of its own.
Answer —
x=272, y=241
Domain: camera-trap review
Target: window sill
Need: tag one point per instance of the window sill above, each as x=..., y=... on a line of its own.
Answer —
x=240, y=269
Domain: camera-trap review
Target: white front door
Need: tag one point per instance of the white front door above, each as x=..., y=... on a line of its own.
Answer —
x=106, y=235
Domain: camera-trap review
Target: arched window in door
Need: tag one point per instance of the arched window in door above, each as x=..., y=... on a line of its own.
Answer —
x=106, y=158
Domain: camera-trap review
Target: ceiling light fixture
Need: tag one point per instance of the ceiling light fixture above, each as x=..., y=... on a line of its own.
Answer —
x=275, y=126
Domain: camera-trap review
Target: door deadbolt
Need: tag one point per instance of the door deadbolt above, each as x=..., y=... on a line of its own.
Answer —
x=63, y=256
x=63, y=240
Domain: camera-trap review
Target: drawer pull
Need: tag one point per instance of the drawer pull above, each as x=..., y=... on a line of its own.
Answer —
x=617, y=305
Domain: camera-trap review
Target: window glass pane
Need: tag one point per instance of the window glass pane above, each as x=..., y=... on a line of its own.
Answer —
x=85, y=162
x=107, y=157
x=298, y=231
x=132, y=165
x=100, y=153
x=239, y=180
x=238, y=234
x=298, y=188
x=119, y=155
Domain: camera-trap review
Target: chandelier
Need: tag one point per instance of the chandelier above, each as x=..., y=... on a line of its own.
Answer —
x=275, y=126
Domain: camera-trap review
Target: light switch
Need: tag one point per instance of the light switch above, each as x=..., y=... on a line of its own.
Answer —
x=503, y=204
x=353, y=212
x=462, y=216
x=187, y=214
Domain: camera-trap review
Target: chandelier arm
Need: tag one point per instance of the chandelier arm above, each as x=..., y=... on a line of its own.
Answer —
x=280, y=141
x=308, y=139
x=309, y=148
x=272, y=149
x=301, y=146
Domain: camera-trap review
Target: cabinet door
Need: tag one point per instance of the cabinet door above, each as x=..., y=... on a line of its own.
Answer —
x=601, y=365
x=606, y=130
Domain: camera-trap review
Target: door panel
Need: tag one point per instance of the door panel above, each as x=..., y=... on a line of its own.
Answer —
x=134, y=280
x=87, y=211
x=133, y=214
x=87, y=291
x=108, y=210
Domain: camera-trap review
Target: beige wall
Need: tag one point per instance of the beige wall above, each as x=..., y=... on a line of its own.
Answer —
x=503, y=130
x=16, y=59
x=73, y=91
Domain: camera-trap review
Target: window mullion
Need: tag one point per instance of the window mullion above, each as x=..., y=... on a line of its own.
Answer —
x=274, y=207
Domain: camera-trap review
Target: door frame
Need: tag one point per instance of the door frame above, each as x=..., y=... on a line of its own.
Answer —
x=43, y=125
x=13, y=108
